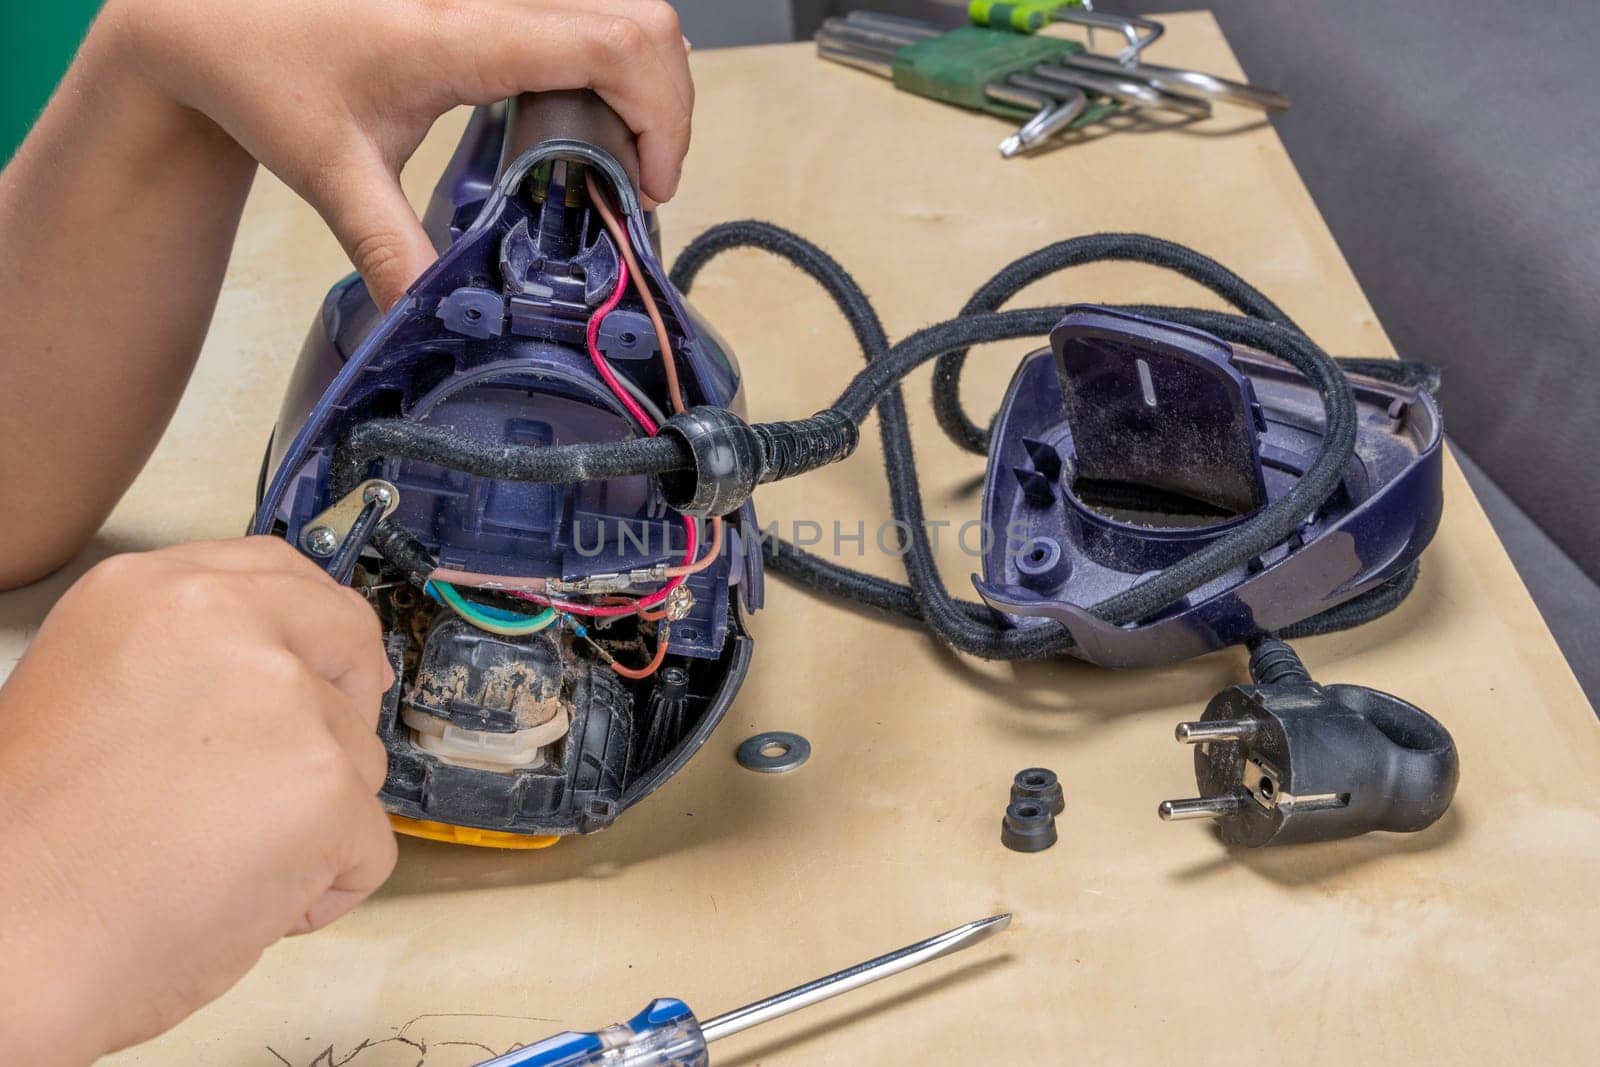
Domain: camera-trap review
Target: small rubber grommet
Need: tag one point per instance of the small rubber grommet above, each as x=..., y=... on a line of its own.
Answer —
x=1041, y=784
x=1028, y=827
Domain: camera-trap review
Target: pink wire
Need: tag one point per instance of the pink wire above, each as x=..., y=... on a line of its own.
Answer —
x=691, y=532
x=609, y=610
x=593, y=337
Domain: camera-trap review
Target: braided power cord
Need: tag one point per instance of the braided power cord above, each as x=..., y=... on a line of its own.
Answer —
x=972, y=627
x=783, y=449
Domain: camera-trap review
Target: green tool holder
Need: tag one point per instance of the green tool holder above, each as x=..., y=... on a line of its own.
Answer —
x=955, y=66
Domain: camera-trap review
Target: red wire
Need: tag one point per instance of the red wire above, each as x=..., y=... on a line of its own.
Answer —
x=636, y=673
x=593, y=337
x=611, y=611
x=691, y=531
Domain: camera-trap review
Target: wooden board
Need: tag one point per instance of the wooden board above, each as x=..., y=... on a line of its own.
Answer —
x=1135, y=941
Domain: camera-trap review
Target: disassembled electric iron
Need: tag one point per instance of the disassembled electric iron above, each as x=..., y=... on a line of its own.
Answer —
x=535, y=468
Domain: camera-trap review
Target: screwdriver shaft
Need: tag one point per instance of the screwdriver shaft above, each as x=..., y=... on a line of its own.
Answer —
x=852, y=978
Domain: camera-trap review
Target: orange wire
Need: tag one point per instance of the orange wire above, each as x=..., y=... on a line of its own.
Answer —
x=707, y=558
x=649, y=668
x=624, y=246
x=477, y=580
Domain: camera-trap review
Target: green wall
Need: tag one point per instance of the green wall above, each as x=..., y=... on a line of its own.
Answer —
x=37, y=41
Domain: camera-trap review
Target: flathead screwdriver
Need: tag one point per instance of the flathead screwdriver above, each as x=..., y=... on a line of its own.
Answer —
x=667, y=1034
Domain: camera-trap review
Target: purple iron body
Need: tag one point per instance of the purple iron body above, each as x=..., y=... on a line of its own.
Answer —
x=490, y=342
x=1130, y=443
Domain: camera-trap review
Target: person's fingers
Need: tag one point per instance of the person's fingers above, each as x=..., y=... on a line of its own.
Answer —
x=334, y=631
x=359, y=197
x=629, y=51
x=664, y=138
x=366, y=852
x=258, y=554
x=353, y=729
x=330, y=627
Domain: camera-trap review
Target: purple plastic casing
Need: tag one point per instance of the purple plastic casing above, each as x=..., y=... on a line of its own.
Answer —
x=490, y=342
x=1123, y=398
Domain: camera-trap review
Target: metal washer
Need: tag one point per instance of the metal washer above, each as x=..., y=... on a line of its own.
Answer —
x=796, y=750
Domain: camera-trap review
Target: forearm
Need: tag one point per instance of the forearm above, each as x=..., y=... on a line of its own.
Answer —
x=53, y=1005
x=117, y=216
x=48, y=986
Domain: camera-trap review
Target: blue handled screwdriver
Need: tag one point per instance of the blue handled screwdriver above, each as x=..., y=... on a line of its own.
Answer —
x=667, y=1034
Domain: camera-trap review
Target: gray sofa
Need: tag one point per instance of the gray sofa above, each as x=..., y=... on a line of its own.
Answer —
x=1444, y=142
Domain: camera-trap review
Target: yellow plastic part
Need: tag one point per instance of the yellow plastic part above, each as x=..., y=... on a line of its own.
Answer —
x=468, y=835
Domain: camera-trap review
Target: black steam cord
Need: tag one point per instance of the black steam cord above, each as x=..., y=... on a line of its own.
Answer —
x=407, y=439
x=965, y=625
x=970, y=627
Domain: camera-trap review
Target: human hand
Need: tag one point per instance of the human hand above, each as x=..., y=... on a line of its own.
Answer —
x=333, y=96
x=188, y=772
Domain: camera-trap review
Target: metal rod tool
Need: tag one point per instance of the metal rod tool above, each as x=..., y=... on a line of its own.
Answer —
x=1059, y=114
x=1193, y=84
x=1027, y=16
x=1124, y=89
x=1130, y=26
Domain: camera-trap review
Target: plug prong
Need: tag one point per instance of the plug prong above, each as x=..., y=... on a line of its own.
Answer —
x=1201, y=807
x=1198, y=733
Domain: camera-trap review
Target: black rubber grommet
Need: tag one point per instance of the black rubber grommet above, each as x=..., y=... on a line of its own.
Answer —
x=1041, y=784
x=1028, y=827
x=728, y=462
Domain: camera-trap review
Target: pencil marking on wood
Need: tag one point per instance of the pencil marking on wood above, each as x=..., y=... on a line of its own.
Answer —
x=404, y=1036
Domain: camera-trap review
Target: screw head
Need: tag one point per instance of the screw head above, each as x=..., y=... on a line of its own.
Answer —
x=321, y=541
x=380, y=493
x=680, y=602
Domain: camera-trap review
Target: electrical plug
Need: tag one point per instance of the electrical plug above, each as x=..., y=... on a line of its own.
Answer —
x=1287, y=760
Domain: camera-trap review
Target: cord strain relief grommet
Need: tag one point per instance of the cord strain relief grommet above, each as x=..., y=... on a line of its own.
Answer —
x=1273, y=662
x=728, y=458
